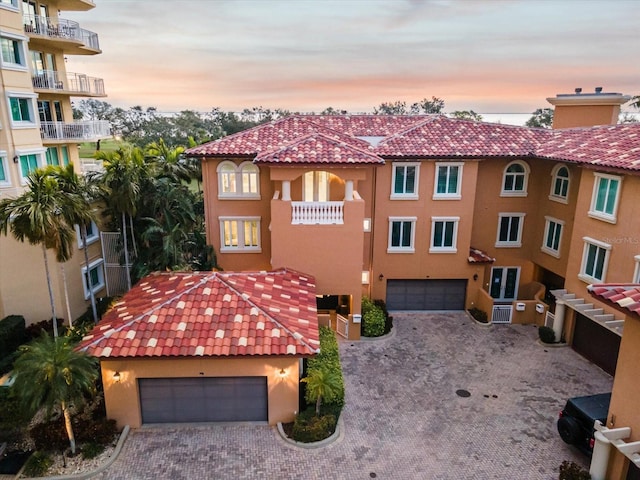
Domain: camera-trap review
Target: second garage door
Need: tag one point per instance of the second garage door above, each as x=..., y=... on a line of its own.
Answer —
x=220, y=399
x=597, y=343
x=426, y=294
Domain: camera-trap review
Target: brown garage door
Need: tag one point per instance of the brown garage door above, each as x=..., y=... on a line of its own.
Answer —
x=597, y=343
x=220, y=399
x=426, y=294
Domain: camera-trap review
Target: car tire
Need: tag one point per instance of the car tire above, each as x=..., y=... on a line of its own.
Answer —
x=569, y=430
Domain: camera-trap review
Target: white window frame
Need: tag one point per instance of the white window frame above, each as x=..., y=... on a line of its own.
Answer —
x=90, y=239
x=583, y=275
x=33, y=111
x=555, y=179
x=39, y=153
x=525, y=183
x=98, y=263
x=241, y=247
x=416, y=185
x=510, y=243
x=237, y=176
x=457, y=195
x=597, y=214
x=5, y=166
x=13, y=6
x=636, y=272
x=401, y=249
x=445, y=249
x=547, y=227
x=22, y=67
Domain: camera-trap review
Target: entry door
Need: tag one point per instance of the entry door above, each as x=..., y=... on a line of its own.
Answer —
x=504, y=283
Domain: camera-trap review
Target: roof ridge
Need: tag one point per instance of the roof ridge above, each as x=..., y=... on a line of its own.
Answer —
x=429, y=119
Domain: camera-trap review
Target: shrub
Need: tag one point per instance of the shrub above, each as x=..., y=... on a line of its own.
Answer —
x=35, y=329
x=373, y=323
x=50, y=436
x=100, y=431
x=573, y=471
x=308, y=427
x=37, y=465
x=329, y=359
x=388, y=319
x=12, y=334
x=92, y=450
x=479, y=315
x=13, y=416
x=547, y=335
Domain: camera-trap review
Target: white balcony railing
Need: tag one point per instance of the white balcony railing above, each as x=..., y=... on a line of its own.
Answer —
x=60, y=28
x=82, y=131
x=71, y=82
x=317, y=213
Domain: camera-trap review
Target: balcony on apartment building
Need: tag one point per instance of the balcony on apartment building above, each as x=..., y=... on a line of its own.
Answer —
x=81, y=131
x=65, y=34
x=76, y=84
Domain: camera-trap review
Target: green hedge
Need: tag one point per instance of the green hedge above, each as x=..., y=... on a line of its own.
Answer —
x=12, y=335
x=329, y=357
x=310, y=428
x=373, y=319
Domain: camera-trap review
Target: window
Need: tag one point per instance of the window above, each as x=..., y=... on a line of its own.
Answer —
x=94, y=277
x=12, y=52
x=65, y=155
x=559, y=184
x=316, y=186
x=604, y=200
x=514, y=181
x=4, y=170
x=93, y=234
x=240, y=234
x=510, y=229
x=11, y=4
x=238, y=180
x=28, y=163
x=448, y=179
x=52, y=156
x=552, y=236
x=405, y=180
x=444, y=233
x=636, y=272
x=595, y=258
x=401, y=234
x=22, y=110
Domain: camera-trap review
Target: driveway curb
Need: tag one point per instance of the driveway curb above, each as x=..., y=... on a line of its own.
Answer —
x=336, y=436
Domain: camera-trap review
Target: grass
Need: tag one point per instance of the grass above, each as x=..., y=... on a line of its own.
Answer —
x=87, y=149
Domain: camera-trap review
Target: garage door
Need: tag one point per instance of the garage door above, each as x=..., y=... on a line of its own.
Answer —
x=220, y=399
x=426, y=294
x=596, y=343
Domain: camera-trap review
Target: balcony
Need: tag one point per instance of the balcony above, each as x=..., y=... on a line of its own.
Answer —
x=76, y=84
x=66, y=34
x=317, y=213
x=83, y=131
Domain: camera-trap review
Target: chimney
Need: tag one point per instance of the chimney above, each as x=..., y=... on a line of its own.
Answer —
x=586, y=109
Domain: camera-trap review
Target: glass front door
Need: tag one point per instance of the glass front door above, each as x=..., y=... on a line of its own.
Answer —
x=504, y=283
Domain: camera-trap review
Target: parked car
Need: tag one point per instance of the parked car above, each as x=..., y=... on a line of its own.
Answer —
x=575, y=424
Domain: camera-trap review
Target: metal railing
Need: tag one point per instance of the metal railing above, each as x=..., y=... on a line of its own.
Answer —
x=83, y=130
x=317, y=213
x=60, y=28
x=501, y=314
x=72, y=82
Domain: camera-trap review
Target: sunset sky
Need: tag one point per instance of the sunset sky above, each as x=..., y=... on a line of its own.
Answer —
x=306, y=55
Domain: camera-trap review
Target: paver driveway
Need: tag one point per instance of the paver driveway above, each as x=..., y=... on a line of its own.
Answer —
x=403, y=419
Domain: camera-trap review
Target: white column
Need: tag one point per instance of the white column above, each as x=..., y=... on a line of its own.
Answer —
x=286, y=190
x=600, y=458
x=348, y=191
x=558, y=321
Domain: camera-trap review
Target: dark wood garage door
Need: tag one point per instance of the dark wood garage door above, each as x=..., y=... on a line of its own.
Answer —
x=426, y=294
x=220, y=399
x=597, y=343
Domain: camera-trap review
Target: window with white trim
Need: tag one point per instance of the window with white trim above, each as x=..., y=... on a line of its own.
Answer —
x=559, y=184
x=605, y=197
x=595, y=259
x=22, y=109
x=9, y=4
x=52, y=156
x=238, y=181
x=93, y=234
x=404, y=181
x=636, y=272
x=5, y=180
x=95, y=277
x=552, y=236
x=401, y=234
x=448, y=179
x=13, y=54
x=444, y=234
x=28, y=161
x=515, y=180
x=240, y=234
x=510, y=229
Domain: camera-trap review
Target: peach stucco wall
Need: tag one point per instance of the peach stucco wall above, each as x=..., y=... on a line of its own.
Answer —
x=123, y=401
x=570, y=116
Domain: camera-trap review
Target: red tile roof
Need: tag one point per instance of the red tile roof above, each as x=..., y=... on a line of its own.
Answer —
x=478, y=256
x=213, y=314
x=624, y=297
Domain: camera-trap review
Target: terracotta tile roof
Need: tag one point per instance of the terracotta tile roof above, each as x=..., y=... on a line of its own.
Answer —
x=624, y=297
x=213, y=314
x=478, y=256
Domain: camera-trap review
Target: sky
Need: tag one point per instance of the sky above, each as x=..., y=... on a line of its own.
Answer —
x=489, y=56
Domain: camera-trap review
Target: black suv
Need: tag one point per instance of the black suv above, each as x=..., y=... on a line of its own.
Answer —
x=575, y=424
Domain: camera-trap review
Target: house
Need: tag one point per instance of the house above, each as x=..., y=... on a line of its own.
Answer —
x=37, y=129
x=207, y=346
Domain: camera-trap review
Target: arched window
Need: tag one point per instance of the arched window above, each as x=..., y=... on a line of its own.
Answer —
x=238, y=181
x=515, y=178
x=250, y=178
x=559, y=183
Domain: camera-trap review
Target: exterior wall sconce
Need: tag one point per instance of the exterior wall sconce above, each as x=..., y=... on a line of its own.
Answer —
x=475, y=277
x=16, y=158
x=381, y=277
x=282, y=373
x=116, y=376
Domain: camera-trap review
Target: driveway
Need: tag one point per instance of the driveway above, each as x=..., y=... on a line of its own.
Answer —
x=403, y=418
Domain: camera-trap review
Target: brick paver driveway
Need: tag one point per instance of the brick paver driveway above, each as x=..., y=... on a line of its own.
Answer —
x=403, y=418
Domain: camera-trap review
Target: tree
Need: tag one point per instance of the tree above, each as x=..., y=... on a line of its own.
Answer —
x=391, y=108
x=435, y=105
x=424, y=106
x=37, y=216
x=321, y=383
x=466, y=115
x=49, y=373
x=541, y=118
x=169, y=163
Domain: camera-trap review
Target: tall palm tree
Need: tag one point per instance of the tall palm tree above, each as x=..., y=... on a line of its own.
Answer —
x=49, y=373
x=168, y=162
x=321, y=383
x=37, y=216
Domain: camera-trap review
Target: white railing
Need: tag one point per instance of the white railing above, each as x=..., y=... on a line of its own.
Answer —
x=317, y=213
x=83, y=130
x=60, y=28
x=342, y=326
x=548, y=319
x=501, y=314
x=91, y=165
x=72, y=82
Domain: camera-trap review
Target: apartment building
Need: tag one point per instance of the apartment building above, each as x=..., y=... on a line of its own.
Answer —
x=37, y=129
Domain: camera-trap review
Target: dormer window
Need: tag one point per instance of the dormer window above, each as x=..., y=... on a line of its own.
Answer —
x=559, y=184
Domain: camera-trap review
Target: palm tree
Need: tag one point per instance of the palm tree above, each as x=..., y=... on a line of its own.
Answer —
x=49, y=372
x=37, y=216
x=169, y=163
x=321, y=383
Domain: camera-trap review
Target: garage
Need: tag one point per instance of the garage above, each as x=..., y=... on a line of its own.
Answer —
x=426, y=294
x=220, y=399
x=596, y=343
